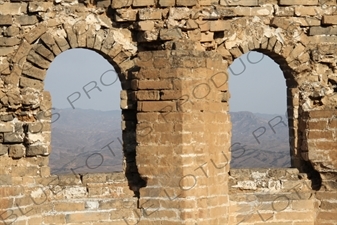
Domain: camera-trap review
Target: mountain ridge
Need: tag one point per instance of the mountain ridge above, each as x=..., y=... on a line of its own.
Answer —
x=80, y=138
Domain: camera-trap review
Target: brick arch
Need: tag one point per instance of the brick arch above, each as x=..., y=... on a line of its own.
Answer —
x=158, y=90
x=43, y=44
x=289, y=47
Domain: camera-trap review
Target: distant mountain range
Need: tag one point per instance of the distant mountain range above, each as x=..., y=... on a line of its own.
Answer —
x=81, y=139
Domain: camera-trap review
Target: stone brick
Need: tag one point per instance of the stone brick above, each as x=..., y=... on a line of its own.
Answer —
x=150, y=14
x=170, y=34
x=21, y=54
x=3, y=149
x=33, y=83
x=138, y=3
x=50, y=42
x=38, y=60
x=71, y=36
x=68, y=206
x=220, y=25
x=329, y=19
x=151, y=84
x=34, y=150
x=36, y=32
x=39, y=6
x=6, y=20
x=9, y=8
x=12, y=31
x=186, y=2
x=5, y=179
x=166, y=3
x=126, y=15
x=34, y=72
x=87, y=217
x=241, y=3
x=326, y=216
x=159, y=106
x=146, y=25
x=16, y=151
x=103, y=4
x=323, y=31
x=320, y=135
x=298, y=2
x=6, y=127
x=207, y=37
x=25, y=20
x=179, y=13
x=13, y=138
x=321, y=114
x=116, y=4
x=45, y=52
x=94, y=178
x=147, y=95
x=4, y=51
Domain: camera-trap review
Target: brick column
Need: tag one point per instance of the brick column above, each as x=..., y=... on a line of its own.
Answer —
x=321, y=144
x=183, y=137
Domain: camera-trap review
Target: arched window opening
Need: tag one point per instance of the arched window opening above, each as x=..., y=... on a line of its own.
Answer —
x=86, y=115
x=258, y=105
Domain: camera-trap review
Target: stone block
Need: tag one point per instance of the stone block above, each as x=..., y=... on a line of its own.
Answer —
x=9, y=8
x=45, y=52
x=160, y=106
x=239, y=3
x=323, y=31
x=150, y=14
x=13, y=137
x=170, y=34
x=12, y=31
x=34, y=150
x=5, y=179
x=4, y=51
x=186, y=2
x=220, y=25
x=116, y=4
x=3, y=149
x=36, y=32
x=329, y=19
x=298, y=2
x=166, y=3
x=34, y=72
x=143, y=3
x=25, y=20
x=6, y=20
x=146, y=25
x=32, y=83
x=69, y=179
x=16, y=151
x=39, y=6
x=6, y=127
x=50, y=42
x=71, y=36
x=6, y=117
x=104, y=4
x=126, y=15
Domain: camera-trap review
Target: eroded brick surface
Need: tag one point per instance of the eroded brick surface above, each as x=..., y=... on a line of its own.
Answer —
x=172, y=58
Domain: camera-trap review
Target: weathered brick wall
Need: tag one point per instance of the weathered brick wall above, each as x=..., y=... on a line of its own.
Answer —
x=271, y=196
x=172, y=58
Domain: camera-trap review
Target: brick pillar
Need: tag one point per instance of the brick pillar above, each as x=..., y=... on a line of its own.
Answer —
x=183, y=137
x=320, y=137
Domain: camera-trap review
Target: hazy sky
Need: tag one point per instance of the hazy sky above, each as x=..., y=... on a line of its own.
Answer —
x=74, y=79
x=77, y=73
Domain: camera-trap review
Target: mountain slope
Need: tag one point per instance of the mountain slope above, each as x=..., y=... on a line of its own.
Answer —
x=80, y=138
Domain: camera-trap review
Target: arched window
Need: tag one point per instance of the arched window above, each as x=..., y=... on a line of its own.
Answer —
x=86, y=115
x=258, y=105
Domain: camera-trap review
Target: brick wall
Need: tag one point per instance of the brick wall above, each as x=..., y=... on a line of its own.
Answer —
x=172, y=58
